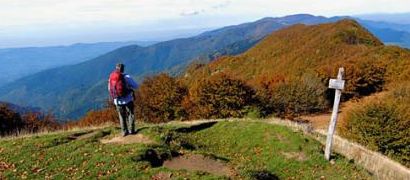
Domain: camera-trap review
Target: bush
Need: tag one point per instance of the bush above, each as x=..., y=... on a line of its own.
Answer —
x=293, y=97
x=362, y=78
x=219, y=96
x=159, y=99
x=31, y=122
x=383, y=124
x=37, y=122
x=10, y=121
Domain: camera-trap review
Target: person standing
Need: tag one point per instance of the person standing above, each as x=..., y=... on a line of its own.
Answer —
x=120, y=87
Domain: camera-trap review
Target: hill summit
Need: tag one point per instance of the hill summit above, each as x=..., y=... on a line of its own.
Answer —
x=317, y=51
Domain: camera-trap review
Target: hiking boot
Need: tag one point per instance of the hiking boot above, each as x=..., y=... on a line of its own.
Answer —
x=124, y=134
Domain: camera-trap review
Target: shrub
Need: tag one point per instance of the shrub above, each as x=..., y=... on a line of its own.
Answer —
x=293, y=97
x=219, y=96
x=159, y=99
x=383, y=124
x=37, y=121
x=362, y=78
x=10, y=121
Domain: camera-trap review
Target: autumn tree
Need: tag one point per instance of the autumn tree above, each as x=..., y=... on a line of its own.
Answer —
x=37, y=122
x=219, y=96
x=10, y=121
x=159, y=99
x=293, y=97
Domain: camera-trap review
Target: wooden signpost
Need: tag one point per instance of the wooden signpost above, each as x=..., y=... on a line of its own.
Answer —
x=337, y=84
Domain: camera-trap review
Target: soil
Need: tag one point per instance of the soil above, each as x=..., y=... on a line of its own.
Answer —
x=195, y=162
x=321, y=121
x=86, y=136
x=162, y=176
x=130, y=139
x=299, y=156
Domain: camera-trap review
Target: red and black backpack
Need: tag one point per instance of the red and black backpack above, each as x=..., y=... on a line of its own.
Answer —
x=118, y=85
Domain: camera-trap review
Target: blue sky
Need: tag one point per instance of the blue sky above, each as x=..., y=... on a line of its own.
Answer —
x=53, y=22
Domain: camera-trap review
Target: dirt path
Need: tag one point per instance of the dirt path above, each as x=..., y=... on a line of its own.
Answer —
x=196, y=162
x=130, y=139
x=321, y=121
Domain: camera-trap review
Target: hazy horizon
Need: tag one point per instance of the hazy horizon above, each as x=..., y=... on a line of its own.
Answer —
x=50, y=23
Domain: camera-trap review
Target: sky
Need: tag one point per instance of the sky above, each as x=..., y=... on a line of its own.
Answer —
x=61, y=22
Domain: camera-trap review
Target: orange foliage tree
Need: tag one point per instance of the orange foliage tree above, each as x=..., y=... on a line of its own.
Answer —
x=159, y=98
x=37, y=121
x=362, y=77
x=294, y=97
x=219, y=96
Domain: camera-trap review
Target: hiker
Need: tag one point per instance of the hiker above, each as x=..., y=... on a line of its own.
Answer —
x=121, y=86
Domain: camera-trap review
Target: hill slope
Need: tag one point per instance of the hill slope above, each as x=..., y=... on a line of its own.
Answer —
x=317, y=51
x=20, y=62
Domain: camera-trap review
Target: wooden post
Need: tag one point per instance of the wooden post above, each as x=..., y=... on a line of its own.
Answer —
x=337, y=84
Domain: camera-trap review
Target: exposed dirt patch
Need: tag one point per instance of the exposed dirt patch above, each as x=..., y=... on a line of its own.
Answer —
x=88, y=135
x=79, y=134
x=94, y=134
x=299, y=156
x=195, y=162
x=162, y=176
x=130, y=139
x=321, y=121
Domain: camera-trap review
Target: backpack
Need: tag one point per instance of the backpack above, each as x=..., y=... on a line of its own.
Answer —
x=118, y=85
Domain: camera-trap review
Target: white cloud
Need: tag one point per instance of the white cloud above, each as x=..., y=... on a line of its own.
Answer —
x=38, y=12
x=28, y=17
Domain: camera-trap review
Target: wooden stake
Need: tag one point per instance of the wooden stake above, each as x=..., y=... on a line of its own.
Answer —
x=337, y=84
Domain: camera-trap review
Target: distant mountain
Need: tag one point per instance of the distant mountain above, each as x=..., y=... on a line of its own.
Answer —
x=19, y=62
x=397, y=18
x=392, y=37
x=20, y=109
x=70, y=91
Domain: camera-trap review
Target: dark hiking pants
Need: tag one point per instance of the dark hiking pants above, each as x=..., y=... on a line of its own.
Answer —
x=126, y=114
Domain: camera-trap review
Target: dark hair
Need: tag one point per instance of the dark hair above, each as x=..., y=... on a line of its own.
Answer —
x=120, y=67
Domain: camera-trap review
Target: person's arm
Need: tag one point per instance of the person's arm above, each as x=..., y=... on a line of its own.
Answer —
x=131, y=83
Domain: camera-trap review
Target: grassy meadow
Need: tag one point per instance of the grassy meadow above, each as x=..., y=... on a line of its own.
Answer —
x=252, y=150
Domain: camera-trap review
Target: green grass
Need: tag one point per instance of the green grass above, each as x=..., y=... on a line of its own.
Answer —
x=248, y=147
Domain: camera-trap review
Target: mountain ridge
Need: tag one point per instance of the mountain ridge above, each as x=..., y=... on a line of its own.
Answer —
x=76, y=90
x=75, y=81
x=29, y=60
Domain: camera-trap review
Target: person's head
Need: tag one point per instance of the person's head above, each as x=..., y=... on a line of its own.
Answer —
x=120, y=67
